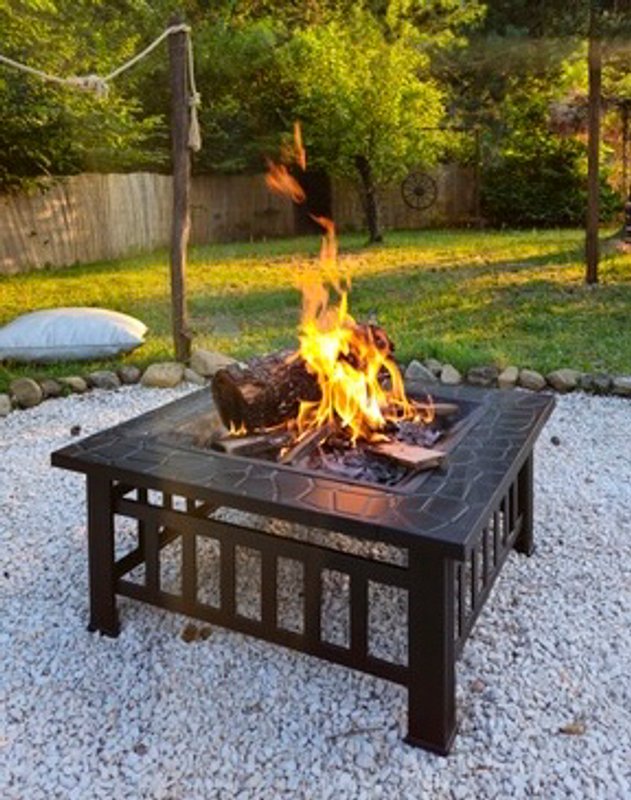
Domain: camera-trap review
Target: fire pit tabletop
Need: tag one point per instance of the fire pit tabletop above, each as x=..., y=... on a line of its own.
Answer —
x=443, y=509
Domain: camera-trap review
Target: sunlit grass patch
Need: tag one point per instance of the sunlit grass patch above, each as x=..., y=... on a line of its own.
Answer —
x=468, y=297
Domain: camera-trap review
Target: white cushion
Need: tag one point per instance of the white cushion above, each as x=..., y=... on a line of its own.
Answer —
x=70, y=334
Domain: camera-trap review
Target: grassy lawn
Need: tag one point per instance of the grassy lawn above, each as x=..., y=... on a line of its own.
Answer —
x=467, y=297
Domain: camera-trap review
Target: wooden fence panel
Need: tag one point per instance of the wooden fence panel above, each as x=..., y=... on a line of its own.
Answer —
x=455, y=203
x=92, y=217
x=237, y=207
x=84, y=218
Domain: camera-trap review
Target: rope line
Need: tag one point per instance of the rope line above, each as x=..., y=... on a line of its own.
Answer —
x=74, y=80
x=99, y=84
x=143, y=53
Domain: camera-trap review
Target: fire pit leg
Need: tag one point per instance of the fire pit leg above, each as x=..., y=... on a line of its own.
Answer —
x=525, y=542
x=431, y=653
x=103, y=613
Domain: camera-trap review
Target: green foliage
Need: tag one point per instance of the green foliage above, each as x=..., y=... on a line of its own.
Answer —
x=537, y=178
x=433, y=24
x=361, y=94
x=249, y=96
x=246, y=104
x=48, y=129
x=557, y=18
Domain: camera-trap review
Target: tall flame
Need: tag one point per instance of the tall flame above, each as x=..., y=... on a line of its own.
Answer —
x=350, y=361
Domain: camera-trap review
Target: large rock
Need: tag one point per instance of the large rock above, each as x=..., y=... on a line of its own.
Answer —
x=622, y=385
x=601, y=383
x=585, y=382
x=530, y=379
x=450, y=376
x=207, y=362
x=598, y=383
x=434, y=366
x=51, y=387
x=564, y=380
x=482, y=376
x=103, y=379
x=417, y=372
x=163, y=376
x=5, y=405
x=190, y=376
x=129, y=374
x=75, y=383
x=507, y=378
x=26, y=392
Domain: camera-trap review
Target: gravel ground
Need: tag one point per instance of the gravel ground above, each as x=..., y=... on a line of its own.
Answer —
x=151, y=716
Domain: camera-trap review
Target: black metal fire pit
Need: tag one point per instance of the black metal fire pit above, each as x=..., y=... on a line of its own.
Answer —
x=455, y=525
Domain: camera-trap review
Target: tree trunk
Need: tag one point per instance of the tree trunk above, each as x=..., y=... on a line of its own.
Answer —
x=371, y=206
x=594, y=60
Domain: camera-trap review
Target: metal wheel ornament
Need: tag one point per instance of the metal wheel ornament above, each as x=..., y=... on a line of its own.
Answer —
x=419, y=190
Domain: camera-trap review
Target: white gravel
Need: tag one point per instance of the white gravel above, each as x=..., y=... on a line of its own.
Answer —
x=150, y=716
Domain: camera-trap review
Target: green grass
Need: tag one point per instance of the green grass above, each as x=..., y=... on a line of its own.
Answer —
x=467, y=297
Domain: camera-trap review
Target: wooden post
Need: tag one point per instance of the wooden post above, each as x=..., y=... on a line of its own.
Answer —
x=181, y=190
x=594, y=60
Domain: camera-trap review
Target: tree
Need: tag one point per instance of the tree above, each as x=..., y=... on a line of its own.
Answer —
x=596, y=21
x=534, y=176
x=246, y=105
x=49, y=129
x=366, y=101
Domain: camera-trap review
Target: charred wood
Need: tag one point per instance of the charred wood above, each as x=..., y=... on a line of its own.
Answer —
x=265, y=393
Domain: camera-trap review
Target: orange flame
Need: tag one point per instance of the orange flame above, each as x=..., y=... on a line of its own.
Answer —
x=299, y=151
x=328, y=251
x=349, y=361
x=279, y=180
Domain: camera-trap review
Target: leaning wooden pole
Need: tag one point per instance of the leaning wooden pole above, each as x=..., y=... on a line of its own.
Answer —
x=594, y=59
x=181, y=190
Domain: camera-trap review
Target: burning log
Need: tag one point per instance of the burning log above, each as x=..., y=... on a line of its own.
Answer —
x=365, y=334
x=265, y=393
x=268, y=391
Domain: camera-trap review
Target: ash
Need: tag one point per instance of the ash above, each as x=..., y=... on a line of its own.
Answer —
x=339, y=457
x=415, y=433
x=356, y=464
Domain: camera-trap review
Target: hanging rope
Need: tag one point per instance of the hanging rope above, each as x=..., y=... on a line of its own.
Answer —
x=195, y=100
x=99, y=84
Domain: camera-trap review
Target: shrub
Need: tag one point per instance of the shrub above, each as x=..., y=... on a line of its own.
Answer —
x=537, y=178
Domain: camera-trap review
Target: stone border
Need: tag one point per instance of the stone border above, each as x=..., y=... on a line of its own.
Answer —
x=28, y=392
x=559, y=380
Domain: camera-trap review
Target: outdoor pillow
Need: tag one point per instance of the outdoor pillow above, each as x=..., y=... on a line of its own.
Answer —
x=69, y=334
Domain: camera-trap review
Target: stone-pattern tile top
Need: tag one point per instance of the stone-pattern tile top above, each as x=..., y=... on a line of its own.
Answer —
x=444, y=508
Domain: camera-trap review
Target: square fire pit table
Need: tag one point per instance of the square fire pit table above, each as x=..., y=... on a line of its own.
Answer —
x=454, y=527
